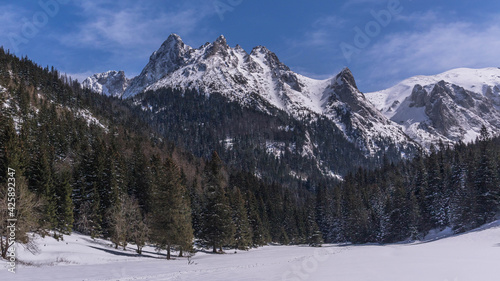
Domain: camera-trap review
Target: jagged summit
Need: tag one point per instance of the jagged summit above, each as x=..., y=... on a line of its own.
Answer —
x=260, y=79
x=174, y=37
x=110, y=83
x=449, y=107
x=346, y=76
x=221, y=39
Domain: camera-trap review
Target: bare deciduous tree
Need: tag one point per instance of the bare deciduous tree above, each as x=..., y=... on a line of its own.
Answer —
x=127, y=224
x=27, y=208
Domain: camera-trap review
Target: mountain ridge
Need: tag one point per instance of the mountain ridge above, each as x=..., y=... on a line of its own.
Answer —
x=448, y=107
x=260, y=78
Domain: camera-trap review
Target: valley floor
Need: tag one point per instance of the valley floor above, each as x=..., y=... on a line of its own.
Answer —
x=471, y=256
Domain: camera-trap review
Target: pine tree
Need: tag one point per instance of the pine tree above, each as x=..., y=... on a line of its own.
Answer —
x=94, y=214
x=462, y=201
x=139, y=185
x=260, y=234
x=355, y=214
x=243, y=231
x=196, y=199
x=486, y=182
x=314, y=235
x=64, y=204
x=218, y=228
x=290, y=218
x=170, y=217
x=434, y=189
x=399, y=214
x=324, y=212
x=42, y=182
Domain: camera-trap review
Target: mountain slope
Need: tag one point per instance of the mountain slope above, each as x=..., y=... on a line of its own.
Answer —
x=260, y=80
x=111, y=83
x=450, y=106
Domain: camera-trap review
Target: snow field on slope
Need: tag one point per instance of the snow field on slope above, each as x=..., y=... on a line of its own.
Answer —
x=470, y=79
x=472, y=256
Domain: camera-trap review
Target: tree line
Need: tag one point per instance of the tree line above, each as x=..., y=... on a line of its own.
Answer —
x=85, y=162
x=456, y=187
x=89, y=165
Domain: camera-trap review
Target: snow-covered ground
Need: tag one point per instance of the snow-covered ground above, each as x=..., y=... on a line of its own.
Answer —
x=471, y=256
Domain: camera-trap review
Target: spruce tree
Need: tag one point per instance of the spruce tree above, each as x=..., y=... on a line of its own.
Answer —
x=314, y=236
x=243, y=231
x=218, y=228
x=486, y=182
x=462, y=201
x=170, y=216
x=64, y=204
x=260, y=234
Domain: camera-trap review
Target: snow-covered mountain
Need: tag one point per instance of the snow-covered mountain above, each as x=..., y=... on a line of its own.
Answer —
x=450, y=106
x=260, y=78
x=111, y=83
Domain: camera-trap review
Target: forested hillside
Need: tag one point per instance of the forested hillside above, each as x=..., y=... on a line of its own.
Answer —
x=455, y=187
x=91, y=163
x=82, y=159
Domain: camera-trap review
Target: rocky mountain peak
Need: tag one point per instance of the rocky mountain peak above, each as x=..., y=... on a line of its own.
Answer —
x=218, y=47
x=173, y=38
x=262, y=81
x=110, y=83
x=171, y=49
x=345, y=76
x=449, y=107
x=269, y=58
x=221, y=40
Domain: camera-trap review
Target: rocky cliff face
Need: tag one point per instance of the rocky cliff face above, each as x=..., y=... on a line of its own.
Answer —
x=259, y=79
x=111, y=83
x=449, y=107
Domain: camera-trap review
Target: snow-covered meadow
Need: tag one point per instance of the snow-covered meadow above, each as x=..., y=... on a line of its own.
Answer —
x=471, y=256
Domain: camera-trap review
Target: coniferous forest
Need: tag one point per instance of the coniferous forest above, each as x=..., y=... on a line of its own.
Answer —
x=94, y=164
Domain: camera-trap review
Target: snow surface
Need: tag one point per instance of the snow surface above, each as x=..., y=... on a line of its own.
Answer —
x=110, y=83
x=259, y=79
x=472, y=256
x=474, y=80
x=202, y=70
x=468, y=110
x=87, y=115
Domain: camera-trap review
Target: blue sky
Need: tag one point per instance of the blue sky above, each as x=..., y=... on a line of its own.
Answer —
x=381, y=41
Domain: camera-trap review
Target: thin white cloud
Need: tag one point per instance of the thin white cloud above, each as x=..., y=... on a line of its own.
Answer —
x=321, y=33
x=125, y=33
x=130, y=25
x=419, y=18
x=436, y=49
x=10, y=24
x=9, y=18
